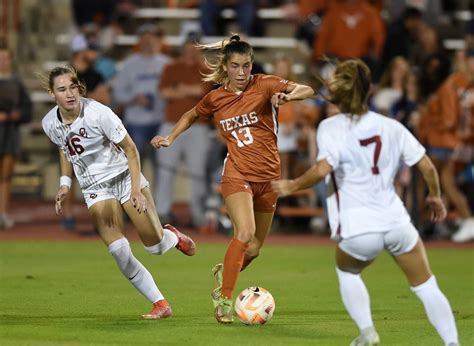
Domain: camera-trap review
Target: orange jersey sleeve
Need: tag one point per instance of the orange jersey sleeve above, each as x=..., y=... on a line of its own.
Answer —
x=249, y=124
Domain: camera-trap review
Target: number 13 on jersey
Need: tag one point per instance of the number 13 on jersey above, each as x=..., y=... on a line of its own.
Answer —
x=244, y=133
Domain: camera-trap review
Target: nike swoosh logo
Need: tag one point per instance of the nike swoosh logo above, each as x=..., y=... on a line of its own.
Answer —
x=133, y=277
x=256, y=289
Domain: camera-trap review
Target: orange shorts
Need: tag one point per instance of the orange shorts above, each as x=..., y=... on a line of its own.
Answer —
x=264, y=199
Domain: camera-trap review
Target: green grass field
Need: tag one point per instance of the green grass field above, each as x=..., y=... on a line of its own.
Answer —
x=71, y=293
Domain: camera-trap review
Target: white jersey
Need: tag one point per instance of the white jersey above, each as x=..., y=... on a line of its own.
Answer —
x=365, y=154
x=89, y=143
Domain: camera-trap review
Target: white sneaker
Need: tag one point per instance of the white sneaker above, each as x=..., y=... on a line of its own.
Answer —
x=465, y=232
x=367, y=337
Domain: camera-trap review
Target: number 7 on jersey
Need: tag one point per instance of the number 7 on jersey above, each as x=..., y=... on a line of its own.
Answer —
x=378, y=147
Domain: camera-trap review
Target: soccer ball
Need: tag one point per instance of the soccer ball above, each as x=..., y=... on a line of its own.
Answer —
x=254, y=305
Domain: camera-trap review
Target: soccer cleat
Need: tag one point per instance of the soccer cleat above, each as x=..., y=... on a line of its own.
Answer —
x=185, y=244
x=216, y=293
x=368, y=337
x=223, y=311
x=161, y=309
x=217, y=273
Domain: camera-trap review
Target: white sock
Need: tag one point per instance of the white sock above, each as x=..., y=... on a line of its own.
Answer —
x=355, y=298
x=438, y=310
x=134, y=271
x=169, y=241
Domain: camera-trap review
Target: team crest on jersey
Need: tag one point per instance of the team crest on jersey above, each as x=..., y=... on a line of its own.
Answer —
x=119, y=128
x=82, y=132
x=93, y=196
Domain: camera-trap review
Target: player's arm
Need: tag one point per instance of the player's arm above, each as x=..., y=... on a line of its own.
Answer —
x=294, y=92
x=184, y=123
x=312, y=176
x=65, y=165
x=65, y=181
x=434, y=201
x=139, y=201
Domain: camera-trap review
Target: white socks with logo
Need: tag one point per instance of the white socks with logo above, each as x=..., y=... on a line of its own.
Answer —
x=134, y=271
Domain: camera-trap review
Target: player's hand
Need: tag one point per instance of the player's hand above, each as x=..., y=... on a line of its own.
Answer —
x=60, y=196
x=283, y=187
x=158, y=141
x=139, y=202
x=279, y=99
x=438, y=210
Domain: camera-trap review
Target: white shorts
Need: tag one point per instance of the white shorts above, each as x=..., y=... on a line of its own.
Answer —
x=367, y=246
x=119, y=188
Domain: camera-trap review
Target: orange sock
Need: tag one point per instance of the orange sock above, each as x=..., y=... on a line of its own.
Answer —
x=234, y=257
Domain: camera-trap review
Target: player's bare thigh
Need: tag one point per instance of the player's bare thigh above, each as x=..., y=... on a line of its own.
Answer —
x=240, y=208
x=347, y=263
x=107, y=216
x=264, y=205
x=148, y=224
x=415, y=265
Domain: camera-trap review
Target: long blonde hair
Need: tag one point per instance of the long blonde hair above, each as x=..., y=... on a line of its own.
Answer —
x=349, y=86
x=225, y=49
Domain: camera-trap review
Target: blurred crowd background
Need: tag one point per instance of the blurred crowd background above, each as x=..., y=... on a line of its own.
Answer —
x=134, y=55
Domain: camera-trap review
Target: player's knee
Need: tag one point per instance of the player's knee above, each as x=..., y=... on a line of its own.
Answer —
x=249, y=257
x=245, y=235
x=252, y=251
x=119, y=247
x=121, y=251
x=351, y=269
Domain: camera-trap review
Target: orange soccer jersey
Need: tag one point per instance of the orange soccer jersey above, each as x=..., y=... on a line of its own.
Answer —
x=447, y=114
x=248, y=123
